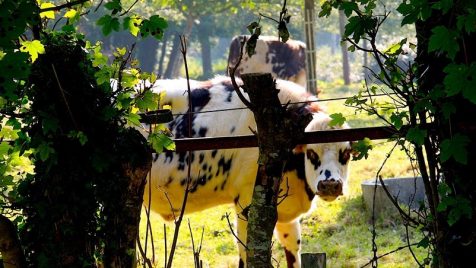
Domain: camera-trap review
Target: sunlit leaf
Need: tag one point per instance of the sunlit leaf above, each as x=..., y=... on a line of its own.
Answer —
x=33, y=48
x=47, y=14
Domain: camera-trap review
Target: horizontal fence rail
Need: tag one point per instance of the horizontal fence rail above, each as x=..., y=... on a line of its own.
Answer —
x=247, y=141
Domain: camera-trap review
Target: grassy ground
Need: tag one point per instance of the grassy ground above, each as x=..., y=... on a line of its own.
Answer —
x=341, y=229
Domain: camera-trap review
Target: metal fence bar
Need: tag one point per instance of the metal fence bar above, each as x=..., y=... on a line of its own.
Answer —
x=246, y=141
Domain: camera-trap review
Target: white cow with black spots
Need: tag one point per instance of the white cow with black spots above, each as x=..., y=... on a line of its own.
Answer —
x=228, y=176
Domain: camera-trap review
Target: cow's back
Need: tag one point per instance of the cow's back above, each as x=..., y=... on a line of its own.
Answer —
x=283, y=60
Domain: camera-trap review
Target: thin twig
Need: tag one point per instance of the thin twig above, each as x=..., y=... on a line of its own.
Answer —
x=233, y=80
x=143, y=254
x=388, y=253
x=64, y=97
x=129, y=9
x=67, y=5
x=227, y=216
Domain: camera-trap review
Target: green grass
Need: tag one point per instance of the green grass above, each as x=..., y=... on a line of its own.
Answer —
x=341, y=229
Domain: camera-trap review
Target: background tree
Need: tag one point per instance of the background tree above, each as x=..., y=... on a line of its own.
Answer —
x=432, y=95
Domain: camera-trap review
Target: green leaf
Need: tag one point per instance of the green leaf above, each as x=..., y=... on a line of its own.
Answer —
x=108, y=24
x=397, y=119
x=348, y=8
x=132, y=24
x=115, y=6
x=337, y=119
x=160, y=141
x=396, y=48
x=47, y=14
x=445, y=40
x=448, y=108
x=416, y=135
x=33, y=48
x=443, y=5
x=362, y=147
x=456, y=148
x=44, y=151
x=154, y=26
x=467, y=22
x=148, y=100
x=461, y=78
x=326, y=9
x=133, y=119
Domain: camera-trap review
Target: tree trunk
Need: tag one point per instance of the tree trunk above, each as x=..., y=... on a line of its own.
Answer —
x=204, y=39
x=345, y=52
x=455, y=244
x=174, y=54
x=147, y=53
x=123, y=213
x=10, y=248
x=278, y=133
x=163, y=51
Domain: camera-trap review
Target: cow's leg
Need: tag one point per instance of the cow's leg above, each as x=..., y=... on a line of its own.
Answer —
x=289, y=234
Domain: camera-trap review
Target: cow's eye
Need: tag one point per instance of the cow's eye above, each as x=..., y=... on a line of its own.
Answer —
x=344, y=156
x=314, y=158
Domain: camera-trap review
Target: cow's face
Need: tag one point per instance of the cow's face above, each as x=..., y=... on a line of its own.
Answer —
x=327, y=168
x=326, y=164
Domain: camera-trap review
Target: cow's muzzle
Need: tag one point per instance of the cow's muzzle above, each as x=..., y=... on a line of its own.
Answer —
x=329, y=189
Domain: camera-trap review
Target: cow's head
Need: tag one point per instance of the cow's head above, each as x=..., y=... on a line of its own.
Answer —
x=326, y=164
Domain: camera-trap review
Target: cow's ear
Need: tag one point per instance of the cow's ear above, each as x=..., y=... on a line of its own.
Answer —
x=299, y=149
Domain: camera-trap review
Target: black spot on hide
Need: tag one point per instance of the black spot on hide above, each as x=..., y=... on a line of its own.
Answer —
x=214, y=153
x=296, y=162
x=202, y=132
x=314, y=158
x=241, y=264
x=236, y=199
x=232, y=130
x=201, y=157
x=288, y=59
x=200, y=98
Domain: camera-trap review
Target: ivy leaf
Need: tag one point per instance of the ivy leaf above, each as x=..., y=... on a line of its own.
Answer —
x=467, y=22
x=326, y=9
x=44, y=151
x=148, y=100
x=443, y=5
x=362, y=147
x=132, y=24
x=416, y=135
x=397, y=119
x=47, y=14
x=461, y=78
x=337, y=119
x=154, y=26
x=115, y=6
x=348, y=8
x=33, y=48
x=133, y=119
x=160, y=141
x=448, y=108
x=456, y=148
x=108, y=24
x=444, y=39
x=396, y=48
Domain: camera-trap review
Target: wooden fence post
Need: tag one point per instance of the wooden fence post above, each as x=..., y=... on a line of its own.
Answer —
x=313, y=260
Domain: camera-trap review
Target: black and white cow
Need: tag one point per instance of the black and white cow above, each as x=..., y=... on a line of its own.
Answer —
x=227, y=176
x=285, y=61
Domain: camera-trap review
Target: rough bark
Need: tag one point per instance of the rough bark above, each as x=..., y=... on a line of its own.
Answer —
x=343, y=47
x=10, y=247
x=122, y=225
x=278, y=133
